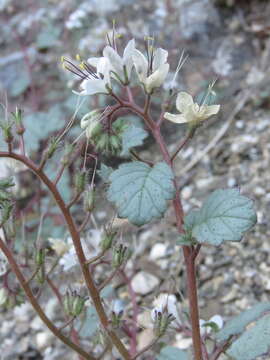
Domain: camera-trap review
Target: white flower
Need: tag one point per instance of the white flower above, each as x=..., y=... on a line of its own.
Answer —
x=190, y=112
x=3, y=296
x=165, y=303
x=118, y=306
x=98, y=82
x=151, y=73
x=3, y=263
x=90, y=248
x=121, y=66
x=205, y=328
x=59, y=246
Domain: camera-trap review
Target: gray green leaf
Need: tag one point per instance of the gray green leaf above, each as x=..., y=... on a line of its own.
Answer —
x=172, y=353
x=238, y=324
x=253, y=343
x=131, y=137
x=105, y=172
x=225, y=216
x=141, y=192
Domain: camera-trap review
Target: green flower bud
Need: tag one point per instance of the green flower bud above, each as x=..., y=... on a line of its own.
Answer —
x=89, y=200
x=80, y=181
x=91, y=123
x=107, y=240
x=3, y=296
x=53, y=145
x=119, y=255
x=6, y=127
x=162, y=321
x=41, y=275
x=6, y=183
x=73, y=303
x=5, y=211
x=17, y=116
x=115, y=142
x=40, y=256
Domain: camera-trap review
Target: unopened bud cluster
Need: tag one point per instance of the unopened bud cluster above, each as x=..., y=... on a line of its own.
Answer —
x=73, y=303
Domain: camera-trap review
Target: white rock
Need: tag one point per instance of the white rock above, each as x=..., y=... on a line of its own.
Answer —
x=143, y=282
x=158, y=251
x=44, y=340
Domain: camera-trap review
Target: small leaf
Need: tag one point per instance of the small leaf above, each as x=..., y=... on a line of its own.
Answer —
x=20, y=84
x=238, y=324
x=172, y=353
x=253, y=343
x=131, y=137
x=224, y=216
x=48, y=37
x=140, y=192
x=105, y=172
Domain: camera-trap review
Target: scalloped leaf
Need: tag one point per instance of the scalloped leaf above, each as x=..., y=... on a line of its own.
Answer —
x=131, y=137
x=172, y=353
x=105, y=172
x=141, y=192
x=225, y=216
x=238, y=324
x=253, y=343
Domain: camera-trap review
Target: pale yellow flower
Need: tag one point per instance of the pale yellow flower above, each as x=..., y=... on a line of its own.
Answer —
x=190, y=112
x=59, y=246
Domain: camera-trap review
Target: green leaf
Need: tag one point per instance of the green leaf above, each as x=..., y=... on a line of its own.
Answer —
x=131, y=137
x=238, y=324
x=20, y=85
x=172, y=353
x=224, y=216
x=105, y=172
x=253, y=343
x=140, y=192
x=48, y=37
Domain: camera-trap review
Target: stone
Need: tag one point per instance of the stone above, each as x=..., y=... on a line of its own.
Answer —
x=158, y=251
x=143, y=282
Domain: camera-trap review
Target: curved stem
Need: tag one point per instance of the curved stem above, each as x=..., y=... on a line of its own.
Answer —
x=92, y=289
x=24, y=284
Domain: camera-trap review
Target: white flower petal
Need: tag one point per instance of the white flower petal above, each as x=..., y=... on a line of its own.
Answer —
x=210, y=110
x=141, y=64
x=184, y=101
x=218, y=320
x=93, y=86
x=178, y=119
x=115, y=60
x=156, y=79
x=93, y=61
x=160, y=58
x=127, y=56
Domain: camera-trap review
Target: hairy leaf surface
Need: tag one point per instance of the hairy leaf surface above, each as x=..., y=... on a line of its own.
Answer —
x=141, y=192
x=253, y=343
x=238, y=324
x=224, y=216
x=172, y=353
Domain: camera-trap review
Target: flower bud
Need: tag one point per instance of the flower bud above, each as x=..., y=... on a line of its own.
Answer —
x=67, y=153
x=3, y=296
x=80, y=181
x=73, y=303
x=17, y=116
x=107, y=240
x=119, y=255
x=41, y=275
x=53, y=145
x=40, y=257
x=162, y=320
x=91, y=123
x=89, y=200
x=6, y=127
x=6, y=183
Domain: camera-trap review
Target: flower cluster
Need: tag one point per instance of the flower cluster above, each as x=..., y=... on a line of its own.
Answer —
x=98, y=73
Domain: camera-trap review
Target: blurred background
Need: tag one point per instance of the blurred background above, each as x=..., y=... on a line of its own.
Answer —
x=227, y=40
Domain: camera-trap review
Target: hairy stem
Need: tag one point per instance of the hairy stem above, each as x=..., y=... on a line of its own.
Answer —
x=24, y=284
x=92, y=289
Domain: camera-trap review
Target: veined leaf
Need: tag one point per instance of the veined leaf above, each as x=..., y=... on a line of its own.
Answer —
x=105, y=172
x=172, y=353
x=238, y=324
x=140, y=192
x=131, y=137
x=253, y=343
x=224, y=216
